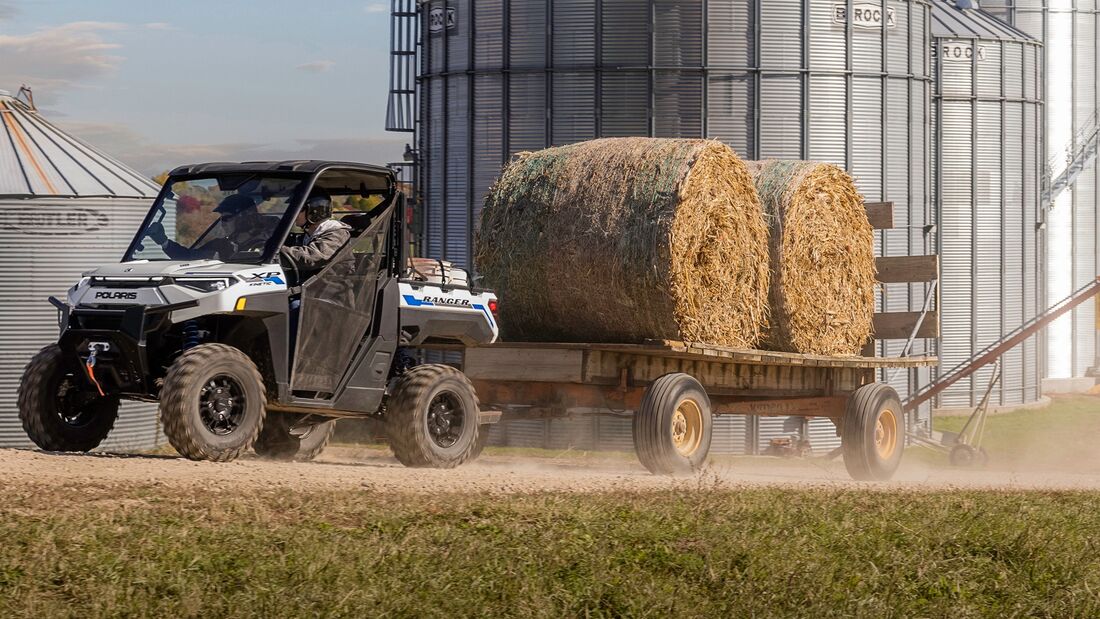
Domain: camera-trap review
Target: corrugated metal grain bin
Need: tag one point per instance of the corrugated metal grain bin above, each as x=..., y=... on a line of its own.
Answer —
x=64, y=208
x=988, y=146
x=1070, y=33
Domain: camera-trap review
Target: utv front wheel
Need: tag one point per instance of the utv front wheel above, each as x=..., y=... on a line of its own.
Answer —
x=432, y=416
x=212, y=403
x=59, y=411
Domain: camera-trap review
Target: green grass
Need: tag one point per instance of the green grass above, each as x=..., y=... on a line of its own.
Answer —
x=703, y=553
x=1062, y=436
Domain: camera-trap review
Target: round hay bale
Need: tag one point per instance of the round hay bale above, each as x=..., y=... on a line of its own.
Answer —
x=822, y=296
x=624, y=240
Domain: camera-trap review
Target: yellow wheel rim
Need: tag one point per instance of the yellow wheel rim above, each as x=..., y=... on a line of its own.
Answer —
x=886, y=434
x=687, y=427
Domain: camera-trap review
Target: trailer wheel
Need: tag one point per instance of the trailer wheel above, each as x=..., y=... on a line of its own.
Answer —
x=873, y=433
x=212, y=404
x=281, y=439
x=57, y=413
x=314, y=440
x=432, y=416
x=672, y=431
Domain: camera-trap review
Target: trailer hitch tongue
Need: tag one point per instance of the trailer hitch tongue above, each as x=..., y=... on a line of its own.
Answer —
x=89, y=364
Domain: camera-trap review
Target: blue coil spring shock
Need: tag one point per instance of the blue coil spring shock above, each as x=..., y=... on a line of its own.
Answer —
x=191, y=335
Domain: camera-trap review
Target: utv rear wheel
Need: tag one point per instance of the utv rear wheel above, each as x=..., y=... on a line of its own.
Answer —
x=212, y=403
x=282, y=439
x=432, y=416
x=59, y=410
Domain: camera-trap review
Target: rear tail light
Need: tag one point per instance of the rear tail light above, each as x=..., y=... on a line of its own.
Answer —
x=493, y=306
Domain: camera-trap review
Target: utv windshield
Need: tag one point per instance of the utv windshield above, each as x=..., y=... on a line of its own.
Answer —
x=227, y=217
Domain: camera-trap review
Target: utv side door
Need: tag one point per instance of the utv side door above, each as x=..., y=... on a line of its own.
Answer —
x=337, y=320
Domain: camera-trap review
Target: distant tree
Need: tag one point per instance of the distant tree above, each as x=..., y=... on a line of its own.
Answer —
x=160, y=178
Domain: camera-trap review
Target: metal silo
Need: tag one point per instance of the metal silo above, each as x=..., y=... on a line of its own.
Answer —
x=1070, y=33
x=988, y=120
x=65, y=207
x=842, y=81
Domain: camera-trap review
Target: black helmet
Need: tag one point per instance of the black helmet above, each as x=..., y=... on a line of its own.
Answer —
x=235, y=205
x=318, y=206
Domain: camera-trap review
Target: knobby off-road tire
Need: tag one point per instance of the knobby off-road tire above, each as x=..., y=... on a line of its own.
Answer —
x=213, y=403
x=280, y=440
x=872, y=433
x=673, y=428
x=431, y=418
x=315, y=440
x=57, y=408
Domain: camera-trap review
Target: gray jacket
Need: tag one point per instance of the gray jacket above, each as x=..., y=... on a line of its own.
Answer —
x=319, y=245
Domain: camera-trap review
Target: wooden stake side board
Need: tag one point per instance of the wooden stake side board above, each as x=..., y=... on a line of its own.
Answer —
x=564, y=361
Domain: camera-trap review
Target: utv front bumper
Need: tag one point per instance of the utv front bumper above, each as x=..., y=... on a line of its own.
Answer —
x=118, y=336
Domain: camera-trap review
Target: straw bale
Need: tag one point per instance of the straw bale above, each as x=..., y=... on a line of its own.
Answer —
x=822, y=296
x=624, y=240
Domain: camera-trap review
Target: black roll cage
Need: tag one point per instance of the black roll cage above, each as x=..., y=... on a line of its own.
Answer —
x=296, y=203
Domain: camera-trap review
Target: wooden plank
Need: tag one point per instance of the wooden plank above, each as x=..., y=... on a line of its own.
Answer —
x=905, y=269
x=523, y=364
x=880, y=214
x=695, y=353
x=899, y=325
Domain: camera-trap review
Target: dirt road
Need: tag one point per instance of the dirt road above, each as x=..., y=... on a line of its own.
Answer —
x=375, y=470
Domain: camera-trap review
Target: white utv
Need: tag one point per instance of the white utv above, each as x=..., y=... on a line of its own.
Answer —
x=243, y=348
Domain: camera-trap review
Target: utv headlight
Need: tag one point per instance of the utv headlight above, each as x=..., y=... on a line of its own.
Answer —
x=204, y=285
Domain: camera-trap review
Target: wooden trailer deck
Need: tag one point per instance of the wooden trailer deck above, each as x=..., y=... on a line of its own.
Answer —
x=543, y=380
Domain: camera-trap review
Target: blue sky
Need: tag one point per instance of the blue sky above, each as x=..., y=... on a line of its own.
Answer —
x=164, y=83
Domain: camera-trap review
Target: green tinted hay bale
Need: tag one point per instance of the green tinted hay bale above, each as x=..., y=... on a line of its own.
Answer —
x=624, y=240
x=822, y=296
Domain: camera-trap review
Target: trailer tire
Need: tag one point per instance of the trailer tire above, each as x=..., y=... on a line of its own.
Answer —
x=53, y=419
x=314, y=442
x=275, y=441
x=873, y=433
x=428, y=403
x=213, y=403
x=672, y=430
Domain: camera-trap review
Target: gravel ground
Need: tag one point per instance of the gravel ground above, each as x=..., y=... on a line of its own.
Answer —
x=373, y=469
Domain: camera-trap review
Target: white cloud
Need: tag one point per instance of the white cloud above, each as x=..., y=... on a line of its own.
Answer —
x=317, y=66
x=152, y=158
x=375, y=7
x=8, y=10
x=58, y=58
x=159, y=25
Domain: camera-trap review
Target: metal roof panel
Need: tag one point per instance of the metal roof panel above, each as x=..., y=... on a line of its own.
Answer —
x=39, y=160
x=950, y=21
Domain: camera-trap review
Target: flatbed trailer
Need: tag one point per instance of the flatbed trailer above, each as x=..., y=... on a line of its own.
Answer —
x=673, y=389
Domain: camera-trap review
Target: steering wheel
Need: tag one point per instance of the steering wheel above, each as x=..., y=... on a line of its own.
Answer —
x=224, y=249
x=285, y=259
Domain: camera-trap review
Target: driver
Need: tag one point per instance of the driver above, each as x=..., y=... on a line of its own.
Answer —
x=239, y=225
x=324, y=235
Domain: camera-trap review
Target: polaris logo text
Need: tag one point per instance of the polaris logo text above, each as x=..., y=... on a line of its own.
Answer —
x=865, y=15
x=116, y=295
x=446, y=301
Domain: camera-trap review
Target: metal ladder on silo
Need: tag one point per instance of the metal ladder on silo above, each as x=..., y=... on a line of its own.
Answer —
x=1077, y=155
x=404, y=40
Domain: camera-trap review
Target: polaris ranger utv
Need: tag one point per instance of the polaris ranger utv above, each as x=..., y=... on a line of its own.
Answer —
x=242, y=346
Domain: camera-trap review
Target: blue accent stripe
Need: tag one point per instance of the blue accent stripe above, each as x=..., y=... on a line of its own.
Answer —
x=414, y=302
x=488, y=314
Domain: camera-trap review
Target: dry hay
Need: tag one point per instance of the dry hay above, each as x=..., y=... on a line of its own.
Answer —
x=822, y=296
x=627, y=239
